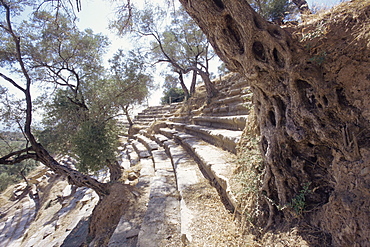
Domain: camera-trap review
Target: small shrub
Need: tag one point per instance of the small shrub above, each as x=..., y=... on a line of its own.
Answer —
x=298, y=203
x=173, y=95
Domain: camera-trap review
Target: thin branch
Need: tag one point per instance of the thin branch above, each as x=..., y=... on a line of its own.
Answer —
x=18, y=156
x=12, y=82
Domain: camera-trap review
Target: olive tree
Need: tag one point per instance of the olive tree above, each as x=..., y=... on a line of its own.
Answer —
x=180, y=43
x=48, y=52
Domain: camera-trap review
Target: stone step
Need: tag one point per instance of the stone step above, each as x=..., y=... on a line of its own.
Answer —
x=124, y=159
x=159, y=138
x=132, y=155
x=143, y=124
x=169, y=133
x=216, y=163
x=140, y=149
x=225, y=122
x=228, y=110
x=128, y=229
x=200, y=206
x=160, y=109
x=149, y=119
x=143, y=115
x=223, y=138
x=148, y=143
x=161, y=223
x=178, y=119
x=228, y=100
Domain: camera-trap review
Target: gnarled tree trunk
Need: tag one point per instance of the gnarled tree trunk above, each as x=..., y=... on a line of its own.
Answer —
x=74, y=177
x=193, y=82
x=210, y=87
x=314, y=126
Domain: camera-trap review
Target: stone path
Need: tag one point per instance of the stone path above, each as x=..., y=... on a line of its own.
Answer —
x=188, y=194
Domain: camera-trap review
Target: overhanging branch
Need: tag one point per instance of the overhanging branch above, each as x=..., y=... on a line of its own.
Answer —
x=18, y=156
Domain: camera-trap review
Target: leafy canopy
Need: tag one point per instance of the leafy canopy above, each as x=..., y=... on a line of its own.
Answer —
x=81, y=99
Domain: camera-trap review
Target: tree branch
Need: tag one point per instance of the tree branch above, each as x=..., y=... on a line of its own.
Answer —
x=12, y=82
x=18, y=156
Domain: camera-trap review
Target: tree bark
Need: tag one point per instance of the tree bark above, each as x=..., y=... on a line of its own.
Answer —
x=125, y=110
x=193, y=82
x=304, y=119
x=115, y=170
x=210, y=87
x=74, y=177
x=183, y=86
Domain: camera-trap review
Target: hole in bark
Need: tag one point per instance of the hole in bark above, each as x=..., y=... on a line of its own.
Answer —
x=310, y=145
x=279, y=60
x=232, y=32
x=275, y=33
x=290, y=46
x=280, y=111
x=341, y=97
x=259, y=51
x=258, y=107
x=264, y=144
x=219, y=4
x=307, y=93
x=257, y=23
x=326, y=102
x=288, y=162
x=272, y=118
x=313, y=159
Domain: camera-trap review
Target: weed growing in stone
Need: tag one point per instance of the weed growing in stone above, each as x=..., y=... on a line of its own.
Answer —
x=298, y=203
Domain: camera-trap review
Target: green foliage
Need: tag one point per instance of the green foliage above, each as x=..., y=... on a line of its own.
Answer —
x=11, y=174
x=56, y=51
x=298, y=202
x=94, y=145
x=61, y=122
x=170, y=81
x=82, y=123
x=274, y=10
x=129, y=82
x=173, y=95
x=181, y=44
